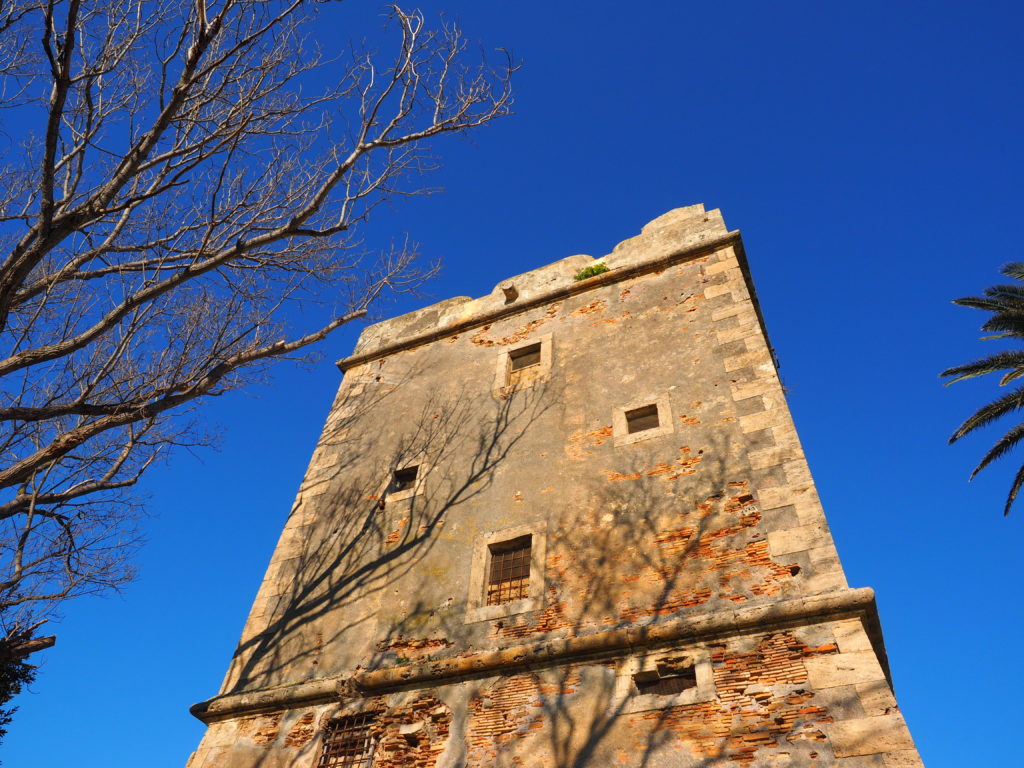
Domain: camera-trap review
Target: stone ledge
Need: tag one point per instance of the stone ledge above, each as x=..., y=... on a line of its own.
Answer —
x=869, y=736
x=693, y=629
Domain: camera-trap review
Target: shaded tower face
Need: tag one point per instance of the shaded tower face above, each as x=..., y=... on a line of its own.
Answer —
x=566, y=524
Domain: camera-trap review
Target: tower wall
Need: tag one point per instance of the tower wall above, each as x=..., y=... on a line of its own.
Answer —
x=693, y=552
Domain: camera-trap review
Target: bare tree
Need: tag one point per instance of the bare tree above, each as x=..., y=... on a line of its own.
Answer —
x=191, y=184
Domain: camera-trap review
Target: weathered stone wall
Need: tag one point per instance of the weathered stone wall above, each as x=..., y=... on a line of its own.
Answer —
x=711, y=512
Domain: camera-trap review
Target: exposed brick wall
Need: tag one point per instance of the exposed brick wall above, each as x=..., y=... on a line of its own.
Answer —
x=418, y=748
x=692, y=562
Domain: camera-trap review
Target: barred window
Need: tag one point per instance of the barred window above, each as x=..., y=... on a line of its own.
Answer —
x=348, y=743
x=509, y=577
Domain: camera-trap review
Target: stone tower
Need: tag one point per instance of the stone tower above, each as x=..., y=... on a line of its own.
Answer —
x=566, y=524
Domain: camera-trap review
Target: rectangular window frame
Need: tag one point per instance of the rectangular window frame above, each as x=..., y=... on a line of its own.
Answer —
x=422, y=469
x=477, y=608
x=510, y=558
x=626, y=698
x=504, y=383
x=620, y=425
x=360, y=723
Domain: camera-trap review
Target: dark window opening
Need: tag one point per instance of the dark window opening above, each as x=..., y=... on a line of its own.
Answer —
x=509, y=577
x=403, y=479
x=525, y=357
x=348, y=743
x=641, y=419
x=666, y=682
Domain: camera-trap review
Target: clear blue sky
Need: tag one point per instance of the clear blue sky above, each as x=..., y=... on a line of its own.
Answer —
x=871, y=155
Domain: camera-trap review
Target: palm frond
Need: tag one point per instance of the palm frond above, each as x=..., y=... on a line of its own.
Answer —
x=1000, y=361
x=1008, y=403
x=1005, y=303
x=1005, y=444
x=1009, y=376
x=977, y=302
x=1014, y=269
x=1012, y=496
x=1009, y=324
x=1011, y=292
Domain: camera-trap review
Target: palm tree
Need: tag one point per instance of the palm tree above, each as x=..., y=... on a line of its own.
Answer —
x=1006, y=303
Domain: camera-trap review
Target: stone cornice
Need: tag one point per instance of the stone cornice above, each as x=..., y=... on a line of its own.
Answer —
x=612, y=276
x=798, y=611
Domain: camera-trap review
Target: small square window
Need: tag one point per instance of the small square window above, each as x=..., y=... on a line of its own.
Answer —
x=348, y=742
x=665, y=682
x=523, y=366
x=403, y=479
x=509, y=574
x=642, y=419
x=525, y=357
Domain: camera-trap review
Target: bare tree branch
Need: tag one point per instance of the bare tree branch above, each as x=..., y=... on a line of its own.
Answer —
x=190, y=183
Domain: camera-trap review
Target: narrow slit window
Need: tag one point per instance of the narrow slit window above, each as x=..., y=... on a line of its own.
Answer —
x=664, y=682
x=348, y=742
x=642, y=419
x=403, y=479
x=509, y=575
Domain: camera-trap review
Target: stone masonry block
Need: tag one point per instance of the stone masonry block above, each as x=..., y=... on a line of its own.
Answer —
x=781, y=496
x=825, y=581
x=758, y=421
x=785, y=433
x=761, y=440
x=861, y=761
x=843, y=669
x=842, y=702
x=824, y=559
x=770, y=458
x=717, y=290
x=797, y=539
x=751, y=389
x=850, y=635
x=869, y=735
x=774, y=398
x=728, y=311
x=739, y=332
x=780, y=518
x=759, y=359
x=876, y=697
x=797, y=472
x=724, y=264
x=903, y=758
x=802, y=497
x=748, y=406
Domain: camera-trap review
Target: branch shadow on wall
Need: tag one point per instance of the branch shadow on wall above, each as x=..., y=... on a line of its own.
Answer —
x=346, y=544
x=645, y=540
x=636, y=545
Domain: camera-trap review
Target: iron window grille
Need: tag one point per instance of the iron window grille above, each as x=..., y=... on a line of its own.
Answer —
x=664, y=682
x=642, y=419
x=509, y=576
x=348, y=742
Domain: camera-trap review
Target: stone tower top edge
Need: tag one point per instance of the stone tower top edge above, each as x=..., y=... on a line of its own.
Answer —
x=677, y=230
